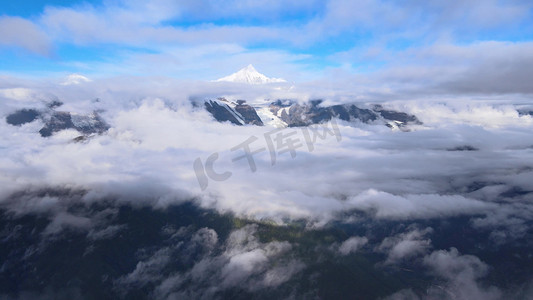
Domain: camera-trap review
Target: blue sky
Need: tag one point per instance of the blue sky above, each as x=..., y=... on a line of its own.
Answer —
x=33, y=8
x=298, y=40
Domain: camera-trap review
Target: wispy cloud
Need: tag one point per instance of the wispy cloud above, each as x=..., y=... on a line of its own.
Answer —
x=24, y=34
x=168, y=32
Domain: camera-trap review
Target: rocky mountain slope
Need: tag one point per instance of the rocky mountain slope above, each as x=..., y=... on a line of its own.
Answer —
x=288, y=113
x=55, y=121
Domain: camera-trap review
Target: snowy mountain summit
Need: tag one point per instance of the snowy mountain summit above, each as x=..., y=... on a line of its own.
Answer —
x=75, y=79
x=250, y=75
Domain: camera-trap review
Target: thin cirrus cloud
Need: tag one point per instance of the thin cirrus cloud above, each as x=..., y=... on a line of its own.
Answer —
x=334, y=34
x=23, y=34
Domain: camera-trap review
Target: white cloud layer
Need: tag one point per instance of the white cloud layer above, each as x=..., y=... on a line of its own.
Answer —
x=148, y=156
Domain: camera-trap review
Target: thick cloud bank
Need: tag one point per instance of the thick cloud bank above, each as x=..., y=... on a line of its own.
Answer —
x=469, y=160
x=464, y=159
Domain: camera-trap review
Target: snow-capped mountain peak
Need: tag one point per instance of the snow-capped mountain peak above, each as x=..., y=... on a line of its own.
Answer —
x=74, y=79
x=249, y=75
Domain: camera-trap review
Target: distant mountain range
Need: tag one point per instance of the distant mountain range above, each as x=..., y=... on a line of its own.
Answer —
x=289, y=113
x=279, y=113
